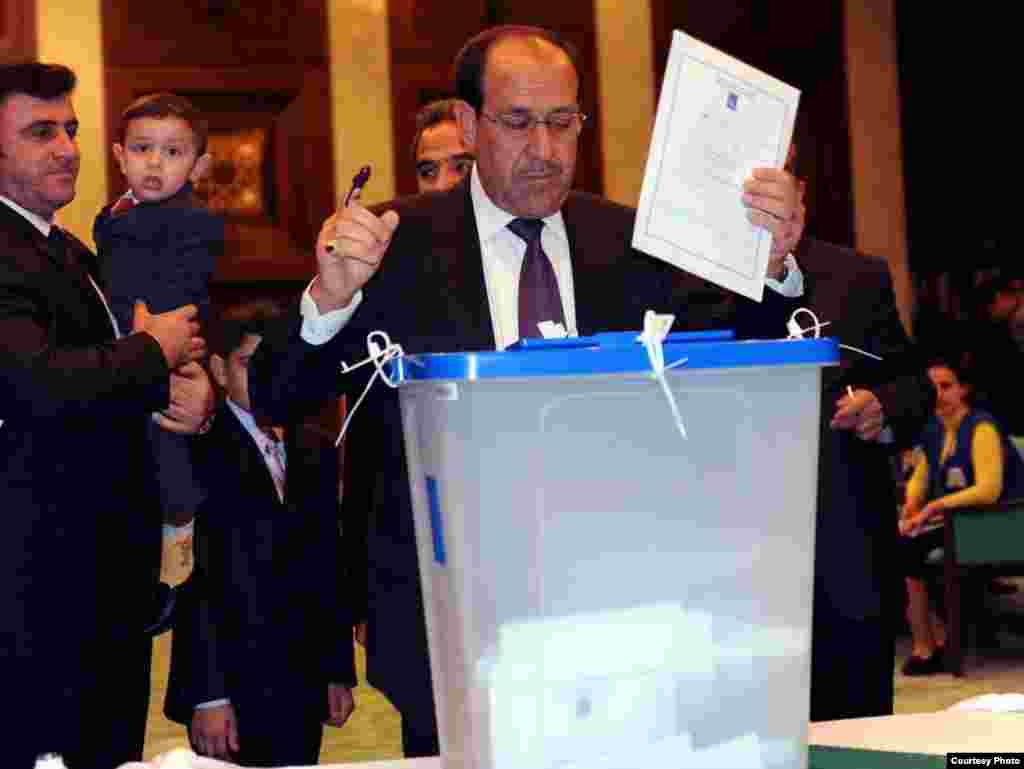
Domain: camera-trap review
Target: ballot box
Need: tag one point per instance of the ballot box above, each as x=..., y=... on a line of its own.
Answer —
x=600, y=589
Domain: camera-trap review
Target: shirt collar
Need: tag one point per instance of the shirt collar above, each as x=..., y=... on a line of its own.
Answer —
x=249, y=423
x=35, y=219
x=490, y=219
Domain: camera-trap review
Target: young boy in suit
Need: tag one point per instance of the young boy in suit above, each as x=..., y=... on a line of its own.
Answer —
x=158, y=244
x=262, y=652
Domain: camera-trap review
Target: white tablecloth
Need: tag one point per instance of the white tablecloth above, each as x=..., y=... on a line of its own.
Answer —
x=948, y=731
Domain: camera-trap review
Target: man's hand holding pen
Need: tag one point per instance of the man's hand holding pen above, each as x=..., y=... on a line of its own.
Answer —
x=349, y=251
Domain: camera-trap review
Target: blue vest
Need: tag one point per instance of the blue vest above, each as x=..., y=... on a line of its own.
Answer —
x=957, y=472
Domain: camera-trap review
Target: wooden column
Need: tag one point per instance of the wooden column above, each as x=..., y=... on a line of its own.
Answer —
x=876, y=141
x=69, y=32
x=17, y=30
x=625, y=71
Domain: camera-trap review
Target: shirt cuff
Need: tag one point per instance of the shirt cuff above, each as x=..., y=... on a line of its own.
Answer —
x=213, y=704
x=179, y=532
x=793, y=286
x=319, y=328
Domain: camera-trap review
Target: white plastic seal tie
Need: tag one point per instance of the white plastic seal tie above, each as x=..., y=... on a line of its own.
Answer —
x=656, y=328
x=796, y=331
x=381, y=350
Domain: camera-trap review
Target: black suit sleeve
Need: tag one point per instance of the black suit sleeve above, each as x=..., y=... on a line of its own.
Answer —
x=200, y=630
x=334, y=591
x=854, y=293
x=899, y=382
x=289, y=378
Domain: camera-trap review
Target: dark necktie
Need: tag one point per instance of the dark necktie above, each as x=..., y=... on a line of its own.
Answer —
x=276, y=459
x=57, y=245
x=539, y=299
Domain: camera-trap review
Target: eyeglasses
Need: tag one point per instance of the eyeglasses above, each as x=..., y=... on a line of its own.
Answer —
x=560, y=124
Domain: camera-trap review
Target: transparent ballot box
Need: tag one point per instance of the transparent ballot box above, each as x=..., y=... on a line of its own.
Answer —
x=600, y=589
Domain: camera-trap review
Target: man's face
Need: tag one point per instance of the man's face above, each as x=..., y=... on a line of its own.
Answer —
x=442, y=160
x=233, y=373
x=158, y=156
x=39, y=156
x=529, y=172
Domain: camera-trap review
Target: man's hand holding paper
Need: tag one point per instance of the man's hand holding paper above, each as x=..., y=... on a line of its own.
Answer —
x=772, y=198
x=721, y=134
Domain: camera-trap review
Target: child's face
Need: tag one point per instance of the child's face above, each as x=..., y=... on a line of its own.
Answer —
x=158, y=156
x=233, y=373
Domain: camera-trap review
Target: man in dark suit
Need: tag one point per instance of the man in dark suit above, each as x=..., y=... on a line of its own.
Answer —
x=80, y=553
x=452, y=279
x=855, y=583
x=262, y=652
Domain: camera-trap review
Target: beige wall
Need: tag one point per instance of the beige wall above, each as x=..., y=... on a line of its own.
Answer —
x=69, y=33
x=361, y=95
x=876, y=145
x=626, y=94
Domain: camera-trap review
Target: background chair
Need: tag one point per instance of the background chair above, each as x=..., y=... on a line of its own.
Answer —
x=984, y=542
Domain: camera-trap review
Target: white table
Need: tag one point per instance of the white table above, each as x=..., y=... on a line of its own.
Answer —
x=948, y=731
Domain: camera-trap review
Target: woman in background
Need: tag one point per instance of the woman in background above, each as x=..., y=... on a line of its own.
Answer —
x=966, y=461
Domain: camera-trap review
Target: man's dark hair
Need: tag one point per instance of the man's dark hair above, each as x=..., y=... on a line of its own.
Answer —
x=986, y=293
x=232, y=324
x=472, y=59
x=164, y=104
x=429, y=115
x=32, y=78
x=961, y=363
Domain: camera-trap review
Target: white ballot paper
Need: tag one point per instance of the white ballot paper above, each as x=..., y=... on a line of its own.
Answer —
x=718, y=119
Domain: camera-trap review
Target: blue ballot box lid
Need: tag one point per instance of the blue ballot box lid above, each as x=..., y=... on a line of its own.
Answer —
x=613, y=353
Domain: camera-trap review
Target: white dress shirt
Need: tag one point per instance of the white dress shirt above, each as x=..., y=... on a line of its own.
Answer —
x=319, y=328
x=503, y=252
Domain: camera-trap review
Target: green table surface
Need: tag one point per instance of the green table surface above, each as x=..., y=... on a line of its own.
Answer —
x=850, y=758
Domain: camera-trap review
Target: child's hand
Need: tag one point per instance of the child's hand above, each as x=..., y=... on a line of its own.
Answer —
x=340, y=703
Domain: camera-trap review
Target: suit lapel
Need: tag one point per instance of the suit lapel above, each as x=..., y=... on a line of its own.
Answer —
x=458, y=251
x=588, y=305
x=81, y=315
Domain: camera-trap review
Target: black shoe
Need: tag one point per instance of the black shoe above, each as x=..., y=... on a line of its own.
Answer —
x=924, y=666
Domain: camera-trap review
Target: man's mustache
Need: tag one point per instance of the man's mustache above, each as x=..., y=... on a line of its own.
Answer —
x=541, y=168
